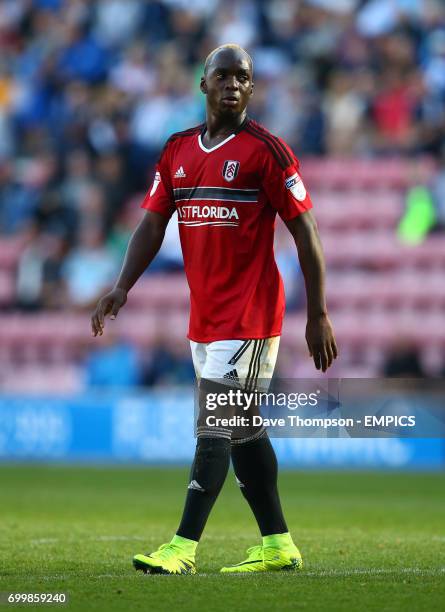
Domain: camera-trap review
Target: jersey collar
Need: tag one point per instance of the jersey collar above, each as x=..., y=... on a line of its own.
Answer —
x=223, y=142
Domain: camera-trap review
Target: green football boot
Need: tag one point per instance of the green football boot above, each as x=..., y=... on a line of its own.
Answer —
x=268, y=559
x=168, y=559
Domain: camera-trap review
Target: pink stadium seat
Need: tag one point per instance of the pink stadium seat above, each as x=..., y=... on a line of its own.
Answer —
x=395, y=173
x=7, y=288
x=412, y=288
x=372, y=248
x=428, y=254
x=10, y=249
x=379, y=290
x=160, y=291
x=36, y=378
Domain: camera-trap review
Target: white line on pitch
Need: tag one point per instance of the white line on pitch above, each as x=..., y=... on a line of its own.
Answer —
x=316, y=574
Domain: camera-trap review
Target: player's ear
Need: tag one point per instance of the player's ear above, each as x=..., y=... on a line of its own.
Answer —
x=252, y=88
x=203, y=85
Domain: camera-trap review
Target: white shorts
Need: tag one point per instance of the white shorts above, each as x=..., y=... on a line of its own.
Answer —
x=236, y=360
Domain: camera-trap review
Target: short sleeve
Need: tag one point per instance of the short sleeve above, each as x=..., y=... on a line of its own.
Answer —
x=160, y=197
x=283, y=184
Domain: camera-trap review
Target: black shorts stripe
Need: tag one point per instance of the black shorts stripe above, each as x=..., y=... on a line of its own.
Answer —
x=240, y=352
x=259, y=360
x=216, y=193
x=252, y=360
x=279, y=152
x=257, y=365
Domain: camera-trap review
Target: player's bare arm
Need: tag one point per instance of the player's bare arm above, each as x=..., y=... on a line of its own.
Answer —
x=319, y=332
x=142, y=249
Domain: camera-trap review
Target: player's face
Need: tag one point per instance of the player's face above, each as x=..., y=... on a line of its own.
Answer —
x=228, y=83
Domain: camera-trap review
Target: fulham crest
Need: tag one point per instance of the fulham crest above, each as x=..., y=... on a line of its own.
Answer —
x=230, y=169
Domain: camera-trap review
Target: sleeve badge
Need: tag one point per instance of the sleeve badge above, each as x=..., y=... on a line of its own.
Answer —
x=296, y=186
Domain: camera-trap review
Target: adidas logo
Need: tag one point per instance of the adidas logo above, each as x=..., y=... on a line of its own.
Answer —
x=195, y=486
x=180, y=173
x=233, y=375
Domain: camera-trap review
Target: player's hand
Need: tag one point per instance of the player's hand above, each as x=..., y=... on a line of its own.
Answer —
x=109, y=304
x=321, y=342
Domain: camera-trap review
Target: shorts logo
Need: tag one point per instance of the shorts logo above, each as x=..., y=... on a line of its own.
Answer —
x=296, y=186
x=230, y=169
x=232, y=375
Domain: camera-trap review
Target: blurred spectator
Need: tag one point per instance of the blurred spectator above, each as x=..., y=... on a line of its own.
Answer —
x=90, y=269
x=110, y=173
x=378, y=17
x=438, y=193
x=287, y=261
x=114, y=363
x=344, y=111
x=53, y=217
x=169, y=258
x=403, y=361
x=53, y=293
x=30, y=272
x=393, y=112
x=78, y=177
x=82, y=57
x=134, y=75
x=127, y=14
x=435, y=62
x=419, y=216
x=168, y=363
x=40, y=282
x=17, y=201
x=126, y=221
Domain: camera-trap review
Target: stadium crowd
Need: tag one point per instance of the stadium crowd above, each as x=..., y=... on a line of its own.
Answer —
x=90, y=91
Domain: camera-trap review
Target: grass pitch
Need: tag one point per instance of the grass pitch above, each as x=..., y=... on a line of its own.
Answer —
x=369, y=541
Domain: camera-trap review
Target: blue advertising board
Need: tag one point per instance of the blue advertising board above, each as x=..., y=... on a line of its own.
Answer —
x=156, y=427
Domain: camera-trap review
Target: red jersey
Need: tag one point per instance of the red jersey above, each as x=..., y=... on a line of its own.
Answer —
x=227, y=198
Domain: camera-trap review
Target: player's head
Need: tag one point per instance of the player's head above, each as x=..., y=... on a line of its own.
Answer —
x=228, y=79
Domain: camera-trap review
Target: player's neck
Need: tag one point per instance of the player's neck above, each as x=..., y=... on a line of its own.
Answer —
x=218, y=128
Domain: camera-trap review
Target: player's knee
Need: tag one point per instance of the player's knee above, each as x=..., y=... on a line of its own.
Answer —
x=238, y=439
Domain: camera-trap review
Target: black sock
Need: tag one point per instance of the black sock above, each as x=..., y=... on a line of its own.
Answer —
x=256, y=469
x=208, y=473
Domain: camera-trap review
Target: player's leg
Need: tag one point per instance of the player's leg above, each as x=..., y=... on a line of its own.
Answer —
x=208, y=473
x=256, y=470
x=207, y=476
x=212, y=455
